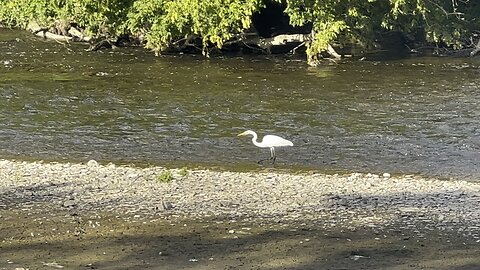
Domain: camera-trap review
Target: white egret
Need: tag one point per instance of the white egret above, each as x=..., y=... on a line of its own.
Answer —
x=270, y=141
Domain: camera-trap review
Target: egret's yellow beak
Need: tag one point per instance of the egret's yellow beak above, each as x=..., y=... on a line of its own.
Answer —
x=242, y=134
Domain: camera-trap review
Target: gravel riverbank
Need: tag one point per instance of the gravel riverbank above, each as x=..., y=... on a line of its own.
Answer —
x=350, y=200
x=91, y=216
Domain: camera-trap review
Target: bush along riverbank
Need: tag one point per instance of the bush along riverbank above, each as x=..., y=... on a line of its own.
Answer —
x=328, y=29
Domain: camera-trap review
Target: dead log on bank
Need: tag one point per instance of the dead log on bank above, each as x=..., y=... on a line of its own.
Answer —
x=72, y=34
x=280, y=40
x=476, y=50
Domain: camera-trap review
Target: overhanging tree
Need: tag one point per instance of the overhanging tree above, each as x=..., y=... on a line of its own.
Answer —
x=179, y=24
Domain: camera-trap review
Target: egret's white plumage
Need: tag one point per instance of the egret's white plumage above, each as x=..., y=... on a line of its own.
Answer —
x=270, y=141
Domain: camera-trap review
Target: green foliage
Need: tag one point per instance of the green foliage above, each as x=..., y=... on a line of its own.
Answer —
x=166, y=24
x=165, y=177
x=356, y=21
x=178, y=21
x=21, y=12
x=98, y=18
x=343, y=21
x=444, y=21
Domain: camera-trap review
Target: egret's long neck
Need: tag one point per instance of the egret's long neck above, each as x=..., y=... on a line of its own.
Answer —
x=254, y=139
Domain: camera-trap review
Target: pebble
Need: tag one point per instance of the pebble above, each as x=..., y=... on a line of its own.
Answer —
x=92, y=163
x=167, y=205
x=69, y=203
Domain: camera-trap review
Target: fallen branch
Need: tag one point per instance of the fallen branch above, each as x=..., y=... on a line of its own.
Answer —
x=43, y=32
x=280, y=40
x=73, y=33
x=48, y=35
x=293, y=51
x=267, y=43
x=104, y=43
x=332, y=52
x=476, y=50
x=78, y=34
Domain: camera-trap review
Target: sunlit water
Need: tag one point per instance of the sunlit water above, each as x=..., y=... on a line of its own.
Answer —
x=57, y=102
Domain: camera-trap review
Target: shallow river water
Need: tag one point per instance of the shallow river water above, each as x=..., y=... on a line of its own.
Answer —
x=60, y=102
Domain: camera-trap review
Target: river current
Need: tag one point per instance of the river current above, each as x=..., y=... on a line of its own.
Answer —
x=411, y=116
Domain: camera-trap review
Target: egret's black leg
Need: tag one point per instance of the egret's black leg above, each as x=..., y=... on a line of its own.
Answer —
x=273, y=157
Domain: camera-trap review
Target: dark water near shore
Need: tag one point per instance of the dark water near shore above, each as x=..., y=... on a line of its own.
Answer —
x=57, y=102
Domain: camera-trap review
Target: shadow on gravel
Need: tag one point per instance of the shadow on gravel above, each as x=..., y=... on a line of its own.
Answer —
x=36, y=194
x=59, y=193
x=89, y=242
x=36, y=229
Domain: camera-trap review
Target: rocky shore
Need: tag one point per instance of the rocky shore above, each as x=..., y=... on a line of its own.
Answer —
x=92, y=216
x=349, y=200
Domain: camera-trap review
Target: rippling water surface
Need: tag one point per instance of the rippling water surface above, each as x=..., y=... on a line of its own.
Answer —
x=420, y=115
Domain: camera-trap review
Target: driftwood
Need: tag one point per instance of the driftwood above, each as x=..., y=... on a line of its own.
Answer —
x=476, y=50
x=70, y=33
x=280, y=40
x=105, y=43
x=44, y=32
x=332, y=52
x=286, y=39
x=74, y=32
